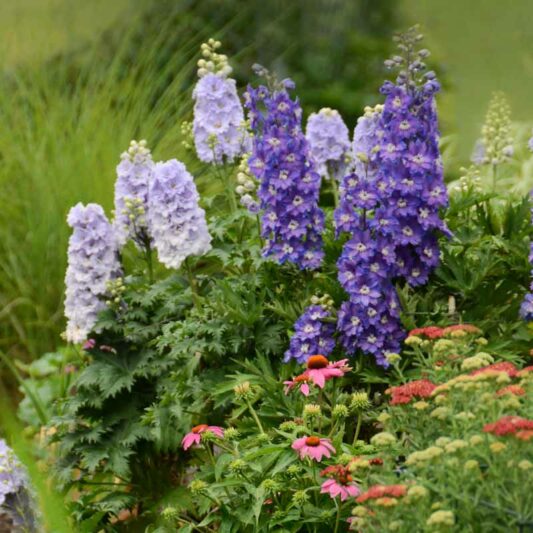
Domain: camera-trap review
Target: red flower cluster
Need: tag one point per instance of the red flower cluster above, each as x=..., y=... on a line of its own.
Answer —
x=380, y=491
x=338, y=472
x=524, y=371
x=434, y=332
x=502, y=366
x=421, y=388
x=521, y=428
x=517, y=390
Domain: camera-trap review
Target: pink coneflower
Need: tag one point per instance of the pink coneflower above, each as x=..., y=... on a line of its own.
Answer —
x=195, y=436
x=301, y=381
x=313, y=447
x=319, y=369
x=340, y=483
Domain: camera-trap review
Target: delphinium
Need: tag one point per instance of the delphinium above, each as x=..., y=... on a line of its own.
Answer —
x=92, y=263
x=177, y=223
x=526, y=309
x=218, y=126
x=369, y=320
x=313, y=331
x=409, y=162
x=246, y=188
x=15, y=498
x=329, y=144
x=134, y=173
x=496, y=143
x=292, y=223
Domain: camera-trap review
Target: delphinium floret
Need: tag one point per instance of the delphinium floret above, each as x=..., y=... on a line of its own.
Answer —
x=177, y=222
x=329, y=142
x=313, y=331
x=134, y=173
x=92, y=263
x=526, y=309
x=291, y=222
x=218, y=125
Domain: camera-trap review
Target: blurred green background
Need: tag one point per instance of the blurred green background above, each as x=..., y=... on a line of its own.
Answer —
x=80, y=79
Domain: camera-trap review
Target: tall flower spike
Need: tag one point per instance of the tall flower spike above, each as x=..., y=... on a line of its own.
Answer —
x=329, y=142
x=218, y=125
x=131, y=194
x=409, y=162
x=312, y=334
x=292, y=222
x=92, y=263
x=526, y=309
x=12, y=474
x=177, y=222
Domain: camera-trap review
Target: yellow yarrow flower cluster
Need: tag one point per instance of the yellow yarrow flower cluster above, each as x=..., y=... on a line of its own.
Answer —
x=424, y=456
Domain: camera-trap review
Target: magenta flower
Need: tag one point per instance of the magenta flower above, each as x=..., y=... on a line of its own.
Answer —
x=319, y=370
x=313, y=447
x=195, y=436
x=334, y=489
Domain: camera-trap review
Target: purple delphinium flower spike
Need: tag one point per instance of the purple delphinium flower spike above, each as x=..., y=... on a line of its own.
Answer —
x=131, y=194
x=292, y=222
x=92, y=263
x=176, y=221
x=329, y=143
x=526, y=309
x=312, y=335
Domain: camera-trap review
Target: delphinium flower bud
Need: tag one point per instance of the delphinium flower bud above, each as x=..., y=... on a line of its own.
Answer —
x=292, y=223
x=246, y=186
x=496, y=143
x=187, y=136
x=313, y=333
x=409, y=161
x=218, y=114
x=329, y=142
x=115, y=289
x=177, y=223
x=92, y=263
x=134, y=173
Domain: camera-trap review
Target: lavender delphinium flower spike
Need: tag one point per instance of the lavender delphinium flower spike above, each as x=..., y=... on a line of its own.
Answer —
x=92, y=263
x=312, y=334
x=218, y=125
x=177, y=222
x=329, y=143
x=292, y=222
x=131, y=194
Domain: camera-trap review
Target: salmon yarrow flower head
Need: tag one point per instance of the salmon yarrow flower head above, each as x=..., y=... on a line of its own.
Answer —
x=92, y=263
x=382, y=491
x=521, y=428
x=313, y=447
x=340, y=483
x=503, y=366
x=515, y=390
x=403, y=394
x=194, y=437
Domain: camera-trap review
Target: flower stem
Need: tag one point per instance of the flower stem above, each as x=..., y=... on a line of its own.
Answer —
x=338, y=519
x=357, y=428
x=255, y=417
x=192, y=283
x=149, y=262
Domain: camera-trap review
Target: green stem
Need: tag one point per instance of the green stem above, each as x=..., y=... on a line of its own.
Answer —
x=35, y=400
x=149, y=262
x=338, y=519
x=334, y=189
x=255, y=417
x=192, y=283
x=357, y=428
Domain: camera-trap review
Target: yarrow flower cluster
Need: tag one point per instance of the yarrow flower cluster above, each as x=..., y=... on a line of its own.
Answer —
x=521, y=428
x=402, y=394
x=92, y=263
x=177, y=223
x=218, y=114
x=329, y=142
x=292, y=222
x=313, y=333
x=134, y=173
